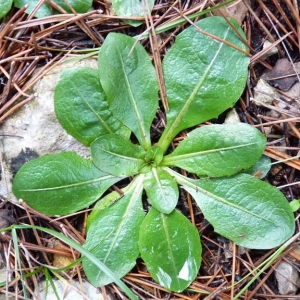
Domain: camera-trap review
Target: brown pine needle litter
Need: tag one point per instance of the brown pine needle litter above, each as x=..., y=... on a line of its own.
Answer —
x=30, y=47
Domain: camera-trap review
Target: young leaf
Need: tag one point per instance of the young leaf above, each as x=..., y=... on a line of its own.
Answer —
x=200, y=79
x=5, y=6
x=59, y=184
x=132, y=8
x=113, y=236
x=81, y=106
x=218, y=150
x=162, y=190
x=116, y=155
x=244, y=209
x=261, y=168
x=108, y=200
x=129, y=81
x=170, y=246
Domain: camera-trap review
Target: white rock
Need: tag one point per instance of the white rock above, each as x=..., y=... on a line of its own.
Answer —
x=294, y=93
x=263, y=92
x=68, y=291
x=232, y=117
x=287, y=277
x=272, y=51
x=36, y=130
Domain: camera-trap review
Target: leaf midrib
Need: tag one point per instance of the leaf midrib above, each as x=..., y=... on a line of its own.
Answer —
x=165, y=227
x=155, y=175
x=72, y=185
x=135, y=195
x=104, y=124
x=130, y=158
x=173, y=128
x=141, y=127
x=173, y=158
x=188, y=183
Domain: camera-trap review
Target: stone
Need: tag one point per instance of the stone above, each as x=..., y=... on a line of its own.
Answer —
x=232, y=117
x=263, y=92
x=34, y=129
x=69, y=290
x=287, y=278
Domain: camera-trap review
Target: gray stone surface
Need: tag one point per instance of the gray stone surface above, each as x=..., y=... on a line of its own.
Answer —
x=35, y=131
x=287, y=278
x=69, y=291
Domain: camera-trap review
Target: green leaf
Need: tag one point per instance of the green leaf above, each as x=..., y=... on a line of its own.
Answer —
x=113, y=236
x=203, y=76
x=80, y=6
x=218, y=150
x=132, y=8
x=81, y=106
x=129, y=81
x=116, y=155
x=244, y=209
x=162, y=190
x=59, y=184
x=44, y=10
x=5, y=6
x=154, y=155
x=295, y=205
x=261, y=168
x=170, y=246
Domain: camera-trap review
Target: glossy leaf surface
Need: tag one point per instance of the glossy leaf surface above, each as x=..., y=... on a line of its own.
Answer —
x=170, y=246
x=59, y=184
x=5, y=6
x=113, y=236
x=81, y=106
x=203, y=76
x=218, y=150
x=116, y=155
x=244, y=209
x=162, y=190
x=132, y=8
x=130, y=84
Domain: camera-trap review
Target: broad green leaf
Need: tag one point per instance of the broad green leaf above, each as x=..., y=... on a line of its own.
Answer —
x=59, y=184
x=81, y=106
x=203, y=76
x=5, y=6
x=218, y=150
x=129, y=81
x=261, y=168
x=114, y=154
x=113, y=236
x=162, y=190
x=170, y=246
x=44, y=11
x=295, y=205
x=244, y=209
x=80, y=6
x=132, y=8
x=108, y=200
